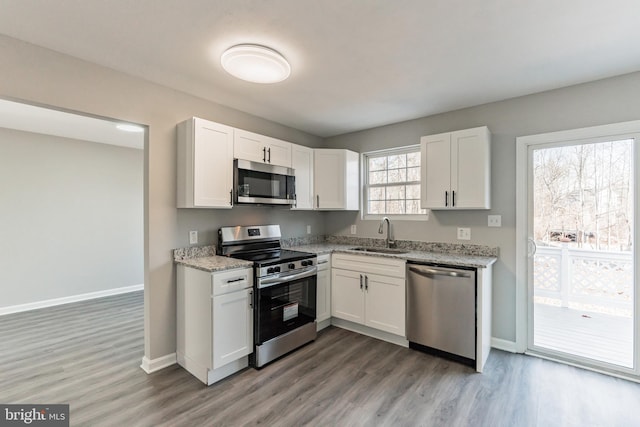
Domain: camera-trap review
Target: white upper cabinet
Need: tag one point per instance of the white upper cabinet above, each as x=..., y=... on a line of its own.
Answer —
x=336, y=179
x=260, y=148
x=205, y=164
x=302, y=164
x=456, y=170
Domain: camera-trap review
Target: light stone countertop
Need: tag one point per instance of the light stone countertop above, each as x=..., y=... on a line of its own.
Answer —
x=455, y=260
x=214, y=263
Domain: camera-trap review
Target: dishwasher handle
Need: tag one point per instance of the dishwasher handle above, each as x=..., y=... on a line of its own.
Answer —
x=429, y=272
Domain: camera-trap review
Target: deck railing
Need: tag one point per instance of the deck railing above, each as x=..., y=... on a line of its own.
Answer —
x=584, y=276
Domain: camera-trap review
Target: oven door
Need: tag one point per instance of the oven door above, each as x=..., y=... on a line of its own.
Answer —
x=257, y=183
x=284, y=304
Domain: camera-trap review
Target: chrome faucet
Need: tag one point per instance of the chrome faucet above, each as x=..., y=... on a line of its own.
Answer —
x=390, y=243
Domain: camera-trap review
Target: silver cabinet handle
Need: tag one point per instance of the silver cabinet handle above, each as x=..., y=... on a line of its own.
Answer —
x=437, y=272
x=453, y=198
x=446, y=199
x=269, y=151
x=317, y=200
x=237, y=280
x=361, y=282
x=264, y=154
x=231, y=197
x=251, y=298
x=366, y=283
x=322, y=262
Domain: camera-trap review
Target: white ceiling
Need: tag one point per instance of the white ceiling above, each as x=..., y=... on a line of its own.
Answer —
x=30, y=118
x=355, y=64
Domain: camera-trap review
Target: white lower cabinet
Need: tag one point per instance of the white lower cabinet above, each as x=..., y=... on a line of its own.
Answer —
x=323, y=293
x=369, y=291
x=214, y=321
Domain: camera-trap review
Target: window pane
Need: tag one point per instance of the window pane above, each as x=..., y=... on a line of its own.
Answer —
x=413, y=174
x=377, y=163
x=376, y=207
x=413, y=207
x=395, y=192
x=376, y=193
x=378, y=177
x=397, y=161
x=395, y=207
x=413, y=191
x=397, y=175
x=413, y=159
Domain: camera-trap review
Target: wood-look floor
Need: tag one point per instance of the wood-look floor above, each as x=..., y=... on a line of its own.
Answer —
x=88, y=355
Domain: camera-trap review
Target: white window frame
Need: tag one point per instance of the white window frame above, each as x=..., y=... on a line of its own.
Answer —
x=364, y=160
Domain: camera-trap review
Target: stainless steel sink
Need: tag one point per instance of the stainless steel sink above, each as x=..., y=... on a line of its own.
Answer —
x=381, y=250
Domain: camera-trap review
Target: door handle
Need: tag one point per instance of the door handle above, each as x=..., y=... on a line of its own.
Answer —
x=318, y=201
x=532, y=248
x=269, y=152
x=231, y=197
x=446, y=199
x=264, y=154
x=366, y=283
x=453, y=198
x=361, y=282
x=437, y=272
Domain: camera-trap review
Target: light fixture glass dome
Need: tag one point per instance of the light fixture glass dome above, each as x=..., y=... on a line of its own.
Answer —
x=254, y=63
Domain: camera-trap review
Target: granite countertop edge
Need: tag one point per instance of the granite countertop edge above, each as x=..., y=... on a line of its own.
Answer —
x=214, y=263
x=439, y=258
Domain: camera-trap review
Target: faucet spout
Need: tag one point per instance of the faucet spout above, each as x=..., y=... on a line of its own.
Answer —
x=389, y=242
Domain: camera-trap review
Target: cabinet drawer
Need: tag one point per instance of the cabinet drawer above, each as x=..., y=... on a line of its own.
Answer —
x=370, y=264
x=323, y=262
x=231, y=280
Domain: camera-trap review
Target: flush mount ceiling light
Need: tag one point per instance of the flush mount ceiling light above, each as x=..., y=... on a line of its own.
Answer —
x=129, y=128
x=254, y=63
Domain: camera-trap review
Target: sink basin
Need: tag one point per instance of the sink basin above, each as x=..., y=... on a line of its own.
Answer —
x=381, y=250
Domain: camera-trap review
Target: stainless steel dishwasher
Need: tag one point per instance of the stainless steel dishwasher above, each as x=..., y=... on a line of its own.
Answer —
x=441, y=311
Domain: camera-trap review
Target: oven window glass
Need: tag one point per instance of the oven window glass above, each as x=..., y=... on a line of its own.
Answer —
x=264, y=184
x=285, y=307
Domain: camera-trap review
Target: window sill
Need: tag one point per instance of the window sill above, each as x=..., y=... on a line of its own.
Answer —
x=414, y=217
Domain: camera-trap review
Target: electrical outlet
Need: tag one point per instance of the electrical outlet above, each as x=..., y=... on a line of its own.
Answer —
x=308, y=229
x=193, y=237
x=353, y=229
x=494, y=220
x=464, y=234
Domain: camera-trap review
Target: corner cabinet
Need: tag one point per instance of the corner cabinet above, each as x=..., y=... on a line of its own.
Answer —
x=302, y=164
x=369, y=291
x=214, y=321
x=205, y=164
x=336, y=179
x=260, y=148
x=456, y=170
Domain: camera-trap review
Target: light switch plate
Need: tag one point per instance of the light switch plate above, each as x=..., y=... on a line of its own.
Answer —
x=464, y=233
x=494, y=220
x=353, y=229
x=193, y=237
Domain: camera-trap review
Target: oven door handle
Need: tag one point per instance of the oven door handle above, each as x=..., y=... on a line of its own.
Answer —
x=281, y=279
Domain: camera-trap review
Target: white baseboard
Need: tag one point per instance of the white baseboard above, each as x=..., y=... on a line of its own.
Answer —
x=66, y=300
x=153, y=365
x=505, y=345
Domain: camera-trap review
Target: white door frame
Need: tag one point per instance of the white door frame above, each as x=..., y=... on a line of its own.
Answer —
x=622, y=130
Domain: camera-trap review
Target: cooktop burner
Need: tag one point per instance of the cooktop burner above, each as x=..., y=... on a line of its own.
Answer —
x=273, y=257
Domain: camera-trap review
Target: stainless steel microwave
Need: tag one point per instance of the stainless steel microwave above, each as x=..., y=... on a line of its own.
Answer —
x=262, y=184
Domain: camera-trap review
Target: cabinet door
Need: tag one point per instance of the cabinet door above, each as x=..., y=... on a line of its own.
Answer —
x=435, y=168
x=232, y=327
x=347, y=297
x=278, y=152
x=329, y=178
x=323, y=295
x=470, y=167
x=302, y=163
x=205, y=164
x=385, y=303
x=249, y=146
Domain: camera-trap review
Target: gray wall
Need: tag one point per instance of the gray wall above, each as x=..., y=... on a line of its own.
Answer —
x=71, y=217
x=39, y=75
x=601, y=102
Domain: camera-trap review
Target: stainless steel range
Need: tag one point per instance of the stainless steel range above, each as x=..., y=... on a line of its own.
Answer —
x=284, y=289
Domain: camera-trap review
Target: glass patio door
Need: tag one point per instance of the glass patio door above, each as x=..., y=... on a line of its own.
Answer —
x=581, y=226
